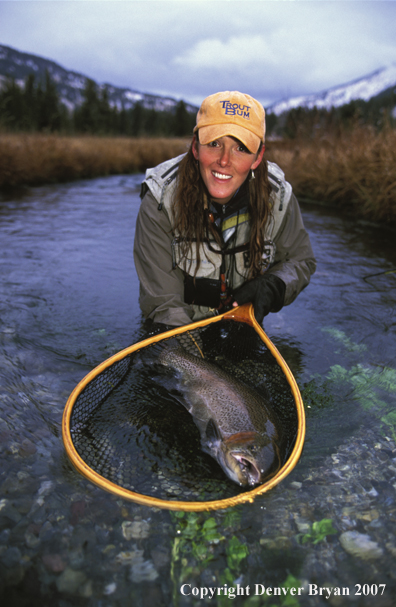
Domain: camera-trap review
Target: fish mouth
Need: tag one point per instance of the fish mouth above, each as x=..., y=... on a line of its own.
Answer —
x=250, y=473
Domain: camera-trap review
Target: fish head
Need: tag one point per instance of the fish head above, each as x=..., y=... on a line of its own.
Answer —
x=249, y=457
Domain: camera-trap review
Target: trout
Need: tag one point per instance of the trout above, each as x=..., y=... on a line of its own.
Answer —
x=237, y=426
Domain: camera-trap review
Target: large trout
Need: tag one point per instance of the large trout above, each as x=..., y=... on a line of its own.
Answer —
x=236, y=424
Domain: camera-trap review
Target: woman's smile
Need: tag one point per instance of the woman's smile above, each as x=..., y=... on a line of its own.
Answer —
x=220, y=175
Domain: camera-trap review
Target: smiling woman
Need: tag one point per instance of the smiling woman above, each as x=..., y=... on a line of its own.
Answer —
x=225, y=164
x=228, y=143
x=219, y=226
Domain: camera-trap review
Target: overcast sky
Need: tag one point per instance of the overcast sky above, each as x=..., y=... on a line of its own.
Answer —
x=190, y=49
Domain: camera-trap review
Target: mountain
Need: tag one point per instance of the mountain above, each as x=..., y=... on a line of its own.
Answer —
x=363, y=88
x=70, y=85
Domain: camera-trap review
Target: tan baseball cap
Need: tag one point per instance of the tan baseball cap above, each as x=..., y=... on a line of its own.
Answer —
x=234, y=114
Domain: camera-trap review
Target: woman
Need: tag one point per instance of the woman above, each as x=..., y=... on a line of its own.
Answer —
x=220, y=226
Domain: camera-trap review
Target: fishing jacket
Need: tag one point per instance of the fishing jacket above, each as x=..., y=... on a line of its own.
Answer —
x=168, y=279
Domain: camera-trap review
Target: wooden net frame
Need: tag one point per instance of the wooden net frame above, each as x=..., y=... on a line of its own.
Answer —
x=242, y=314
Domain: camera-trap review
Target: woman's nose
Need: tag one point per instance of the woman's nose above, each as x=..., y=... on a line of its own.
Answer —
x=224, y=157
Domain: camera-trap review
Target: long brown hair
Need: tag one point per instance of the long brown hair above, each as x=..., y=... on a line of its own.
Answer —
x=191, y=219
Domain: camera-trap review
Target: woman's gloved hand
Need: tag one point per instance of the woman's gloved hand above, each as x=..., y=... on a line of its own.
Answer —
x=265, y=292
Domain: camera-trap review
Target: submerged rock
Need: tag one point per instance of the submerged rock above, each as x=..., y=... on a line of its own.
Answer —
x=54, y=562
x=135, y=530
x=143, y=571
x=70, y=581
x=360, y=545
x=11, y=557
x=27, y=448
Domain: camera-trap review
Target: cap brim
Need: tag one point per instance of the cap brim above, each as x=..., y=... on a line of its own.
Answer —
x=215, y=131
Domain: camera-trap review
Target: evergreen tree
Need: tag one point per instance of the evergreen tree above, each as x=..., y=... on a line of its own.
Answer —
x=11, y=105
x=30, y=122
x=183, y=121
x=137, y=120
x=49, y=116
x=87, y=117
x=122, y=122
x=105, y=124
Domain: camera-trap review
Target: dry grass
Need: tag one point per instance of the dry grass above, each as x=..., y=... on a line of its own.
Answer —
x=356, y=171
x=35, y=159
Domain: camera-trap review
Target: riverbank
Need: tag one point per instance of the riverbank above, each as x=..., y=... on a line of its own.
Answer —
x=355, y=170
x=36, y=159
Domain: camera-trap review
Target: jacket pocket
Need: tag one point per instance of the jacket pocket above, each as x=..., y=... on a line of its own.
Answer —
x=210, y=260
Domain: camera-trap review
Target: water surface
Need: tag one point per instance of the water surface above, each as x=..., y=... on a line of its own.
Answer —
x=69, y=300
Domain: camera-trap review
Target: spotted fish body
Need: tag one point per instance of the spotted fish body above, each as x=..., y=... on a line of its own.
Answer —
x=236, y=424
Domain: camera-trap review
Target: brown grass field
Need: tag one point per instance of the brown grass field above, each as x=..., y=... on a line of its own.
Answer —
x=355, y=170
x=35, y=159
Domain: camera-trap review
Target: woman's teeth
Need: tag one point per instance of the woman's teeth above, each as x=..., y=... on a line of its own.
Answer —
x=221, y=176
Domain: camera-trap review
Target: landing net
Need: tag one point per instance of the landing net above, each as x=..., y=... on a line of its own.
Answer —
x=127, y=434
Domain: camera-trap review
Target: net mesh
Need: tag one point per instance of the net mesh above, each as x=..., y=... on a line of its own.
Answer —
x=129, y=428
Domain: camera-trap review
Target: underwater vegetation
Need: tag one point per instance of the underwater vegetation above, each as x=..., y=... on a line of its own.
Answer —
x=200, y=540
x=368, y=384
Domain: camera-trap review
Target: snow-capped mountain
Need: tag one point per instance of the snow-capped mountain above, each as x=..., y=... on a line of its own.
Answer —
x=363, y=88
x=70, y=85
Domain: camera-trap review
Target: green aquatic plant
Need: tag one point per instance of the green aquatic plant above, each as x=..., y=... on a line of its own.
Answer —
x=194, y=547
x=236, y=552
x=319, y=531
x=194, y=539
x=232, y=518
x=366, y=384
x=283, y=599
x=316, y=394
x=369, y=385
x=342, y=338
x=389, y=420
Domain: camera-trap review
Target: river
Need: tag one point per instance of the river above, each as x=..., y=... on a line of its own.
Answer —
x=69, y=300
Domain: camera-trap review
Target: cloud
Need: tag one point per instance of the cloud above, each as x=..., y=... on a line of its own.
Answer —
x=233, y=54
x=189, y=49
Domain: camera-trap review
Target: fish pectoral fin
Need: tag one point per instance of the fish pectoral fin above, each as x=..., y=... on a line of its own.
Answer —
x=212, y=432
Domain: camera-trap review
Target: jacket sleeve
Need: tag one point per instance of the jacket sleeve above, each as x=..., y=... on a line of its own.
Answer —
x=294, y=259
x=161, y=294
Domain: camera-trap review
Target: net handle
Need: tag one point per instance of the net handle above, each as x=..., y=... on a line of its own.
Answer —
x=244, y=314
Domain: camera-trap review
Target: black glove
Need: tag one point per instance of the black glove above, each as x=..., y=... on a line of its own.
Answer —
x=266, y=293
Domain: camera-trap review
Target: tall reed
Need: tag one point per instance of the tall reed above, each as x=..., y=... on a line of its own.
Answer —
x=34, y=159
x=355, y=170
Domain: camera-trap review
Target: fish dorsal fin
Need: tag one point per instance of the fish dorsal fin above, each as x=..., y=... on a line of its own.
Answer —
x=212, y=431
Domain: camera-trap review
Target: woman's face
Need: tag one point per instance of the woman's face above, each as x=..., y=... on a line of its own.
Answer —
x=224, y=165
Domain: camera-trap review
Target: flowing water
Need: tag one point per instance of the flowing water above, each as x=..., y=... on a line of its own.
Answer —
x=69, y=300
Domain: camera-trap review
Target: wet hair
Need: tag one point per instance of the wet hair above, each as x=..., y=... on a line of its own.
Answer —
x=191, y=216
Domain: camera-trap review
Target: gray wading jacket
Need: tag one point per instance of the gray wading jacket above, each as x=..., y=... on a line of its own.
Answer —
x=161, y=271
